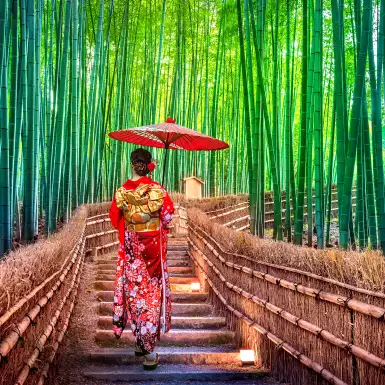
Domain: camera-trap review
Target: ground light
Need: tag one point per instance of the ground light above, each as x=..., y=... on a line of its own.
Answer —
x=247, y=357
x=195, y=286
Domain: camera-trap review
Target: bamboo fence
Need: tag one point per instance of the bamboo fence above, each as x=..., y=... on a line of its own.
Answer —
x=237, y=217
x=32, y=329
x=307, y=329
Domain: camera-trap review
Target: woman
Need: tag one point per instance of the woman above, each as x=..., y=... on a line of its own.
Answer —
x=142, y=211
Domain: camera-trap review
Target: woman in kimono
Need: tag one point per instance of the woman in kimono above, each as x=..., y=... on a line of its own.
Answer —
x=141, y=211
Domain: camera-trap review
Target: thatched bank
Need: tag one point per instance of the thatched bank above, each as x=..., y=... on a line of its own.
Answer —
x=38, y=291
x=312, y=316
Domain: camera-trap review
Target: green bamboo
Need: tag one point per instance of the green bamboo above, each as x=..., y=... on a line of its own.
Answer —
x=5, y=185
x=287, y=127
x=354, y=124
x=30, y=132
x=329, y=196
x=298, y=227
x=318, y=126
x=60, y=127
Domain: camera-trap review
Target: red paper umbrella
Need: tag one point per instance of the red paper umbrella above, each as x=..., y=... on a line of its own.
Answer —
x=169, y=135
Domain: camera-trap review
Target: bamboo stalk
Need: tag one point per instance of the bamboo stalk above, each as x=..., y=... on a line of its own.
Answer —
x=103, y=247
x=97, y=216
x=98, y=221
x=101, y=234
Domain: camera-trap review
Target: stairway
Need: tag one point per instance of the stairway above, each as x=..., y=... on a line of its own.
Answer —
x=199, y=346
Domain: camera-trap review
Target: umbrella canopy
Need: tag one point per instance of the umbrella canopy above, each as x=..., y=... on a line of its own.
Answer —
x=169, y=135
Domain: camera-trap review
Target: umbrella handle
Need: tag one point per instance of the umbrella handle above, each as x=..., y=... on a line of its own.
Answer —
x=164, y=164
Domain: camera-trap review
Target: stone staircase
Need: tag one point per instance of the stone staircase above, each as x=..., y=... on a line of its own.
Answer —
x=199, y=347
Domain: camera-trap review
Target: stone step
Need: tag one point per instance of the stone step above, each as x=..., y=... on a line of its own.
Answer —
x=112, y=258
x=178, y=258
x=187, y=273
x=173, y=252
x=181, y=288
x=177, y=309
x=178, y=263
x=188, y=297
x=175, y=287
x=111, y=278
x=104, y=285
x=108, y=296
x=177, y=246
x=111, y=262
x=205, y=355
x=175, y=337
x=103, y=265
x=180, y=270
x=178, y=373
x=177, y=322
x=177, y=284
x=171, y=263
x=179, y=241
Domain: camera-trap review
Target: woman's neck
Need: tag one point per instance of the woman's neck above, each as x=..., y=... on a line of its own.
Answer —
x=135, y=176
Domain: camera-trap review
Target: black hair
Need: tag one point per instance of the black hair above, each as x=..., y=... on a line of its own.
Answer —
x=140, y=158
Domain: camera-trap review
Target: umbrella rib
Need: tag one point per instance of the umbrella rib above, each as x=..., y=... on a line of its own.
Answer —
x=149, y=136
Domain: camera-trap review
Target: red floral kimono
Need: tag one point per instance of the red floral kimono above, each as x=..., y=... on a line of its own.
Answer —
x=142, y=210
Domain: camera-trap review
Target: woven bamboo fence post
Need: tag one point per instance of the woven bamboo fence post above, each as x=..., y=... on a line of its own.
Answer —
x=12, y=337
x=211, y=268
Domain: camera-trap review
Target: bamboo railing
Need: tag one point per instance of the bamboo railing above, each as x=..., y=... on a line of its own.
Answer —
x=237, y=216
x=332, y=328
x=32, y=329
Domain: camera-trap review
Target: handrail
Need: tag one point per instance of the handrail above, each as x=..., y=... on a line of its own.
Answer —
x=40, y=344
x=96, y=216
x=291, y=269
x=98, y=221
x=276, y=340
x=348, y=302
x=225, y=208
x=228, y=213
x=9, y=342
x=236, y=220
x=305, y=325
x=12, y=310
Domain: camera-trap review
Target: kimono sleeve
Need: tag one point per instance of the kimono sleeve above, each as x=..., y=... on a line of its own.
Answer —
x=167, y=212
x=115, y=214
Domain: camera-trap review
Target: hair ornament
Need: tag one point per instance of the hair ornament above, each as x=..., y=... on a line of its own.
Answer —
x=151, y=166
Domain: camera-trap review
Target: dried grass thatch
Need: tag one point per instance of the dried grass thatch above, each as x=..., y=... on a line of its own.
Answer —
x=362, y=269
x=298, y=308
x=212, y=204
x=27, y=267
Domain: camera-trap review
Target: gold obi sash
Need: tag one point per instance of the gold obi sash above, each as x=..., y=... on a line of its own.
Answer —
x=152, y=225
x=141, y=207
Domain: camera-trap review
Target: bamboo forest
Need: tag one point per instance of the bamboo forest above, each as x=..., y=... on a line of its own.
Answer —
x=295, y=87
